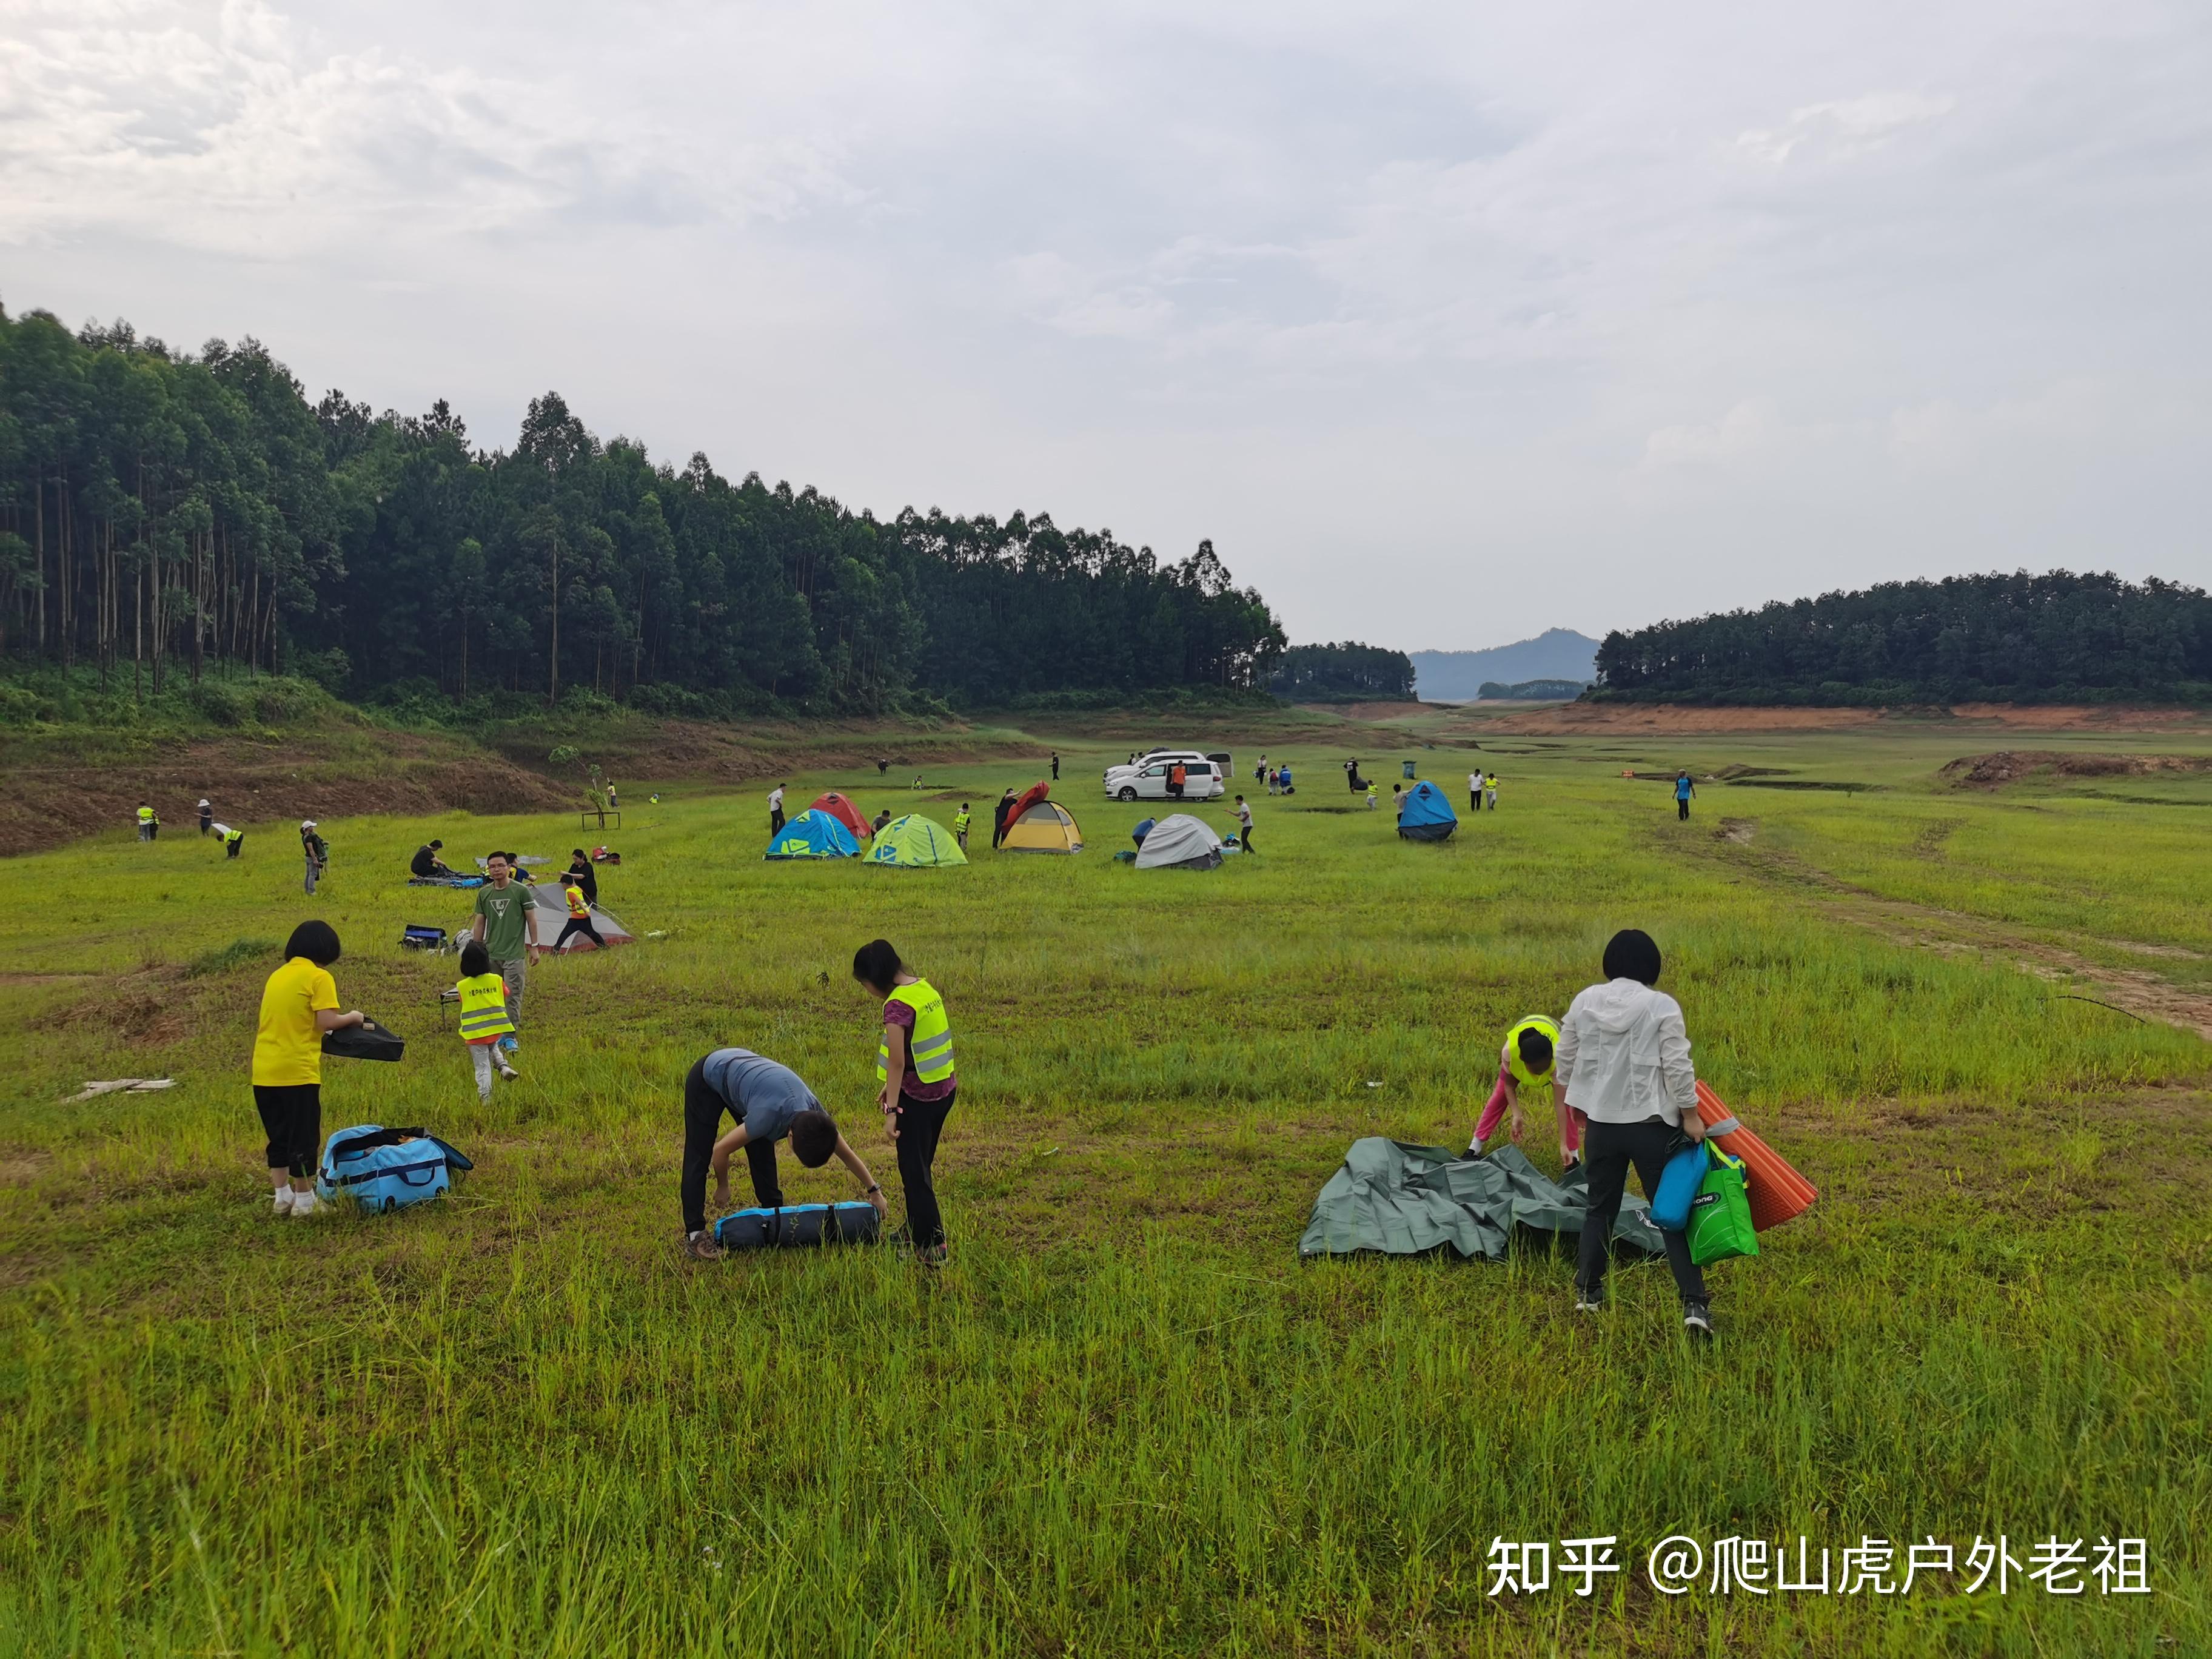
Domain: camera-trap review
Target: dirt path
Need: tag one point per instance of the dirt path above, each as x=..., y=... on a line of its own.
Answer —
x=2146, y=995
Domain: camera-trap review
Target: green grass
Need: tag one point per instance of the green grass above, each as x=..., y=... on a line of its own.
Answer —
x=1124, y=1420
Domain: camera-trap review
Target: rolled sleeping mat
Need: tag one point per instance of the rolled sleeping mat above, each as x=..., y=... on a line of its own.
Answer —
x=798, y=1226
x=1778, y=1193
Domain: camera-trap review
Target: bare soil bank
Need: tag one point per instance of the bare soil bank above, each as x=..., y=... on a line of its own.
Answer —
x=2003, y=766
x=1568, y=720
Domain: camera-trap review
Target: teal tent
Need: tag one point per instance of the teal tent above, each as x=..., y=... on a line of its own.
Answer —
x=1395, y=1199
x=814, y=835
x=1426, y=815
x=915, y=843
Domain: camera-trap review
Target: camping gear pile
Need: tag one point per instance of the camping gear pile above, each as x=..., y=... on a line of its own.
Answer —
x=1400, y=1199
x=446, y=881
x=385, y=1169
x=413, y=936
x=1180, y=842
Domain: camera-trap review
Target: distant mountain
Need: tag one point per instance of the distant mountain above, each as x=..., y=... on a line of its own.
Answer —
x=1556, y=654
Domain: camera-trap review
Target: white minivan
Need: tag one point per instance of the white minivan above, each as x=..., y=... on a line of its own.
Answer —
x=1147, y=779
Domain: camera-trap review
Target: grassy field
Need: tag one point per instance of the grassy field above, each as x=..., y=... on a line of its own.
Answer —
x=1125, y=1418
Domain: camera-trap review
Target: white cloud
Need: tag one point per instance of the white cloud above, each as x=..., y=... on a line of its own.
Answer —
x=1842, y=128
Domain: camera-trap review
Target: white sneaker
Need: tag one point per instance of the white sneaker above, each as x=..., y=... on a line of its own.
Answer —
x=282, y=1206
x=303, y=1204
x=508, y=1071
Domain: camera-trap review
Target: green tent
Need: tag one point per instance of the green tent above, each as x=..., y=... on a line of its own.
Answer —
x=915, y=843
x=1402, y=1199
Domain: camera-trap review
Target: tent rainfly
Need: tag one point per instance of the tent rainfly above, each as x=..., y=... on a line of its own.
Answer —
x=814, y=835
x=552, y=902
x=1426, y=815
x=1180, y=842
x=915, y=843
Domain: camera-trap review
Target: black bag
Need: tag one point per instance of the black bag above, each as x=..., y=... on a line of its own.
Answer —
x=415, y=937
x=368, y=1042
x=798, y=1226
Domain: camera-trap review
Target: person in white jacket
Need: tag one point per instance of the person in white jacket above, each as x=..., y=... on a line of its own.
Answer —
x=1624, y=1065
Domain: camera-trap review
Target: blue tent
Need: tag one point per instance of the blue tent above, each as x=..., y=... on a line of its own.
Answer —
x=813, y=835
x=1426, y=815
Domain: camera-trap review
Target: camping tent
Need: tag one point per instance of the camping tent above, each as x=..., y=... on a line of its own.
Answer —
x=1180, y=842
x=915, y=843
x=814, y=835
x=840, y=808
x=1401, y=1200
x=552, y=902
x=1047, y=827
x=1029, y=798
x=1426, y=815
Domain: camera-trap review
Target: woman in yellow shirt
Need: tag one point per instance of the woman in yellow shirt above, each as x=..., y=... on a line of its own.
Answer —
x=298, y=1005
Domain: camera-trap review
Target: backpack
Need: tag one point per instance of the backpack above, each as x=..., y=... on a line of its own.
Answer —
x=383, y=1169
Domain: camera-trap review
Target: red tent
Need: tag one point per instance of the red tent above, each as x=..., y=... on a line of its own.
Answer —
x=844, y=811
x=1037, y=792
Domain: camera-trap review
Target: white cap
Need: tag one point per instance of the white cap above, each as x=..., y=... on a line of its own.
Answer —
x=306, y=823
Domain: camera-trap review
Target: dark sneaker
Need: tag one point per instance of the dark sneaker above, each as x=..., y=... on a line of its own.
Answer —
x=1696, y=1322
x=1589, y=1302
x=702, y=1247
x=932, y=1255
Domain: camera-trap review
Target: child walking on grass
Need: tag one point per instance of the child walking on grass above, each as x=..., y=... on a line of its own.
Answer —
x=298, y=1003
x=483, y=1017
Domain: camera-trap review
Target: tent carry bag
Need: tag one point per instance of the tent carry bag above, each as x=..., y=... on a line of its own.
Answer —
x=1720, y=1215
x=1678, y=1185
x=383, y=1169
x=365, y=1041
x=798, y=1226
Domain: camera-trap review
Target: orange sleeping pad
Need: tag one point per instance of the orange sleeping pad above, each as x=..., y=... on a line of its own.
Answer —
x=1778, y=1193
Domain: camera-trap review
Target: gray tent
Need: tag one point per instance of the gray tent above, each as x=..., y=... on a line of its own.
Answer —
x=553, y=916
x=1179, y=842
x=1401, y=1200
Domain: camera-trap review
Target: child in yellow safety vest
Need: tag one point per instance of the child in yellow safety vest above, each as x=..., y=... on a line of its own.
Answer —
x=1525, y=1063
x=580, y=917
x=484, y=1017
x=960, y=822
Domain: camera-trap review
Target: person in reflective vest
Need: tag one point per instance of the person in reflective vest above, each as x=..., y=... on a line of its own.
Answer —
x=484, y=1017
x=916, y=1078
x=580, y=917
x=1525, y=1063
x=149, y=825
x=960, y=821
x=232, y=839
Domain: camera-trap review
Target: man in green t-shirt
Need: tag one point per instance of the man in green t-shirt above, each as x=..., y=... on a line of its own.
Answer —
x=507, y=926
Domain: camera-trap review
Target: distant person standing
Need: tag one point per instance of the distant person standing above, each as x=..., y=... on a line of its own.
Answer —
x=1683, y=790
x=883, y=765
x=318, y=851
x=1474, y=791
x=1244, y=822
x=1261, y=775
x=1283, y=774
x=207, y=815
x=507, y=927
x=1398, y=799
x=582, y=874
x=882, y=818
x=298, y=1004
x=149, y=825
x=1055, y=766
x=614, y=802
x=775, y=810
x=1490, y=792
x=1371, y=797
x=1178, y=774
x=960, y=822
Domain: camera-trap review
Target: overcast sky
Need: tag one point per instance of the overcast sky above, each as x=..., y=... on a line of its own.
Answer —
x=1445, y=327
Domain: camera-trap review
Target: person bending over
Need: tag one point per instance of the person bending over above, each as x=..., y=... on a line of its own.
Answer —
x=768, y=1101
x=1525, y=1063
x=1623, y=1063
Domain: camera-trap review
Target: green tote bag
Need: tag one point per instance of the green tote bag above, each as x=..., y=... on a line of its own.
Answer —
x=1720, y=1215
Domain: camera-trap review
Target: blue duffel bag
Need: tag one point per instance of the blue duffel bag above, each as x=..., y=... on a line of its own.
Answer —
x=1677, y=1185
x=381, y=1168
x=798, y=1225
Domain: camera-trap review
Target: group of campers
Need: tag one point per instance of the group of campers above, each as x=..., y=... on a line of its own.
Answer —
x=764, y=1101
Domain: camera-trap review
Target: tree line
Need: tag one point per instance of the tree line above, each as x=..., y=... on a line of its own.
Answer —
x=1320, y=673
x=164, y=512
x=2053, y=638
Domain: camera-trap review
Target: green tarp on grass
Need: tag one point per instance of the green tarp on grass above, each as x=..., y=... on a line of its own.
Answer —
x=1401, y=1200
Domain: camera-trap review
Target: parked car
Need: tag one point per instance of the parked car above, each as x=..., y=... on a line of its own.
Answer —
x=1203, y=779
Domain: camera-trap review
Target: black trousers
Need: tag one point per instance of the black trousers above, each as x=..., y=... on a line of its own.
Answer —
x=579, y=924
x=1607, y=1151
x=1682, y=807
x=1474, y=800
x=921, y=1122
x=292, y=1117
x=1245, y=839
x=775, y=822
x=702, y=1127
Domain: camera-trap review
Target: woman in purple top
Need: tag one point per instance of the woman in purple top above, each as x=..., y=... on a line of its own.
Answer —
x=913, y=1061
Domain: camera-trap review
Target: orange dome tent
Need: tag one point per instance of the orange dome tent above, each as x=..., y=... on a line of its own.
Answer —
x=838, y=807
